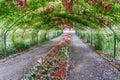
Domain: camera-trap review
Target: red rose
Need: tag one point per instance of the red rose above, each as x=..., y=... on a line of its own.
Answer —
x=90, y=3
x=107, y=6
x=65, y=1
x=20, y=3
x=69, y=7
x=108, y=21
x=101, y=2
x=100, y=23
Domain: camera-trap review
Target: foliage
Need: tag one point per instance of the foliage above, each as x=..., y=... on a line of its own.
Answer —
x=100, y=39
x=98, y=42
x=47, y=12
x=20, y=40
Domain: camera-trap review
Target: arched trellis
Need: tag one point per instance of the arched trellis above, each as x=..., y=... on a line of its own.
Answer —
x=27, y=13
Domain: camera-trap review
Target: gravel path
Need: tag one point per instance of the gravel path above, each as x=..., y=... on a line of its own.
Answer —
x=85, y=64
x=15, y=68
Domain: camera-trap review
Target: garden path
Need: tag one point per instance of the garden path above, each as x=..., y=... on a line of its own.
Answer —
x=86, y=64
x=15, y=68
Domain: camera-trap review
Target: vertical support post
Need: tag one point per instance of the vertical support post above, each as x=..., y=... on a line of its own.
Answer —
x=115, y=38
x=91, y=37
x=5, y=44
x=5, y=34
x=115, y=45
x=115, y=41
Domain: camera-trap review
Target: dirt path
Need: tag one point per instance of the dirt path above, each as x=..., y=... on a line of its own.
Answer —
x=15, y=68
x=87, y=65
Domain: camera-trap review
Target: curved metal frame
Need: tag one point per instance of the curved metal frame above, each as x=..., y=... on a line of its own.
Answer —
x=5, y=33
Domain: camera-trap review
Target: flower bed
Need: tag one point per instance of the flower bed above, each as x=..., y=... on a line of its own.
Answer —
x=54, y=65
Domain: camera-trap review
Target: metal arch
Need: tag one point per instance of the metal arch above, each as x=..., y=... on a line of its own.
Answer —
x=5, y=33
